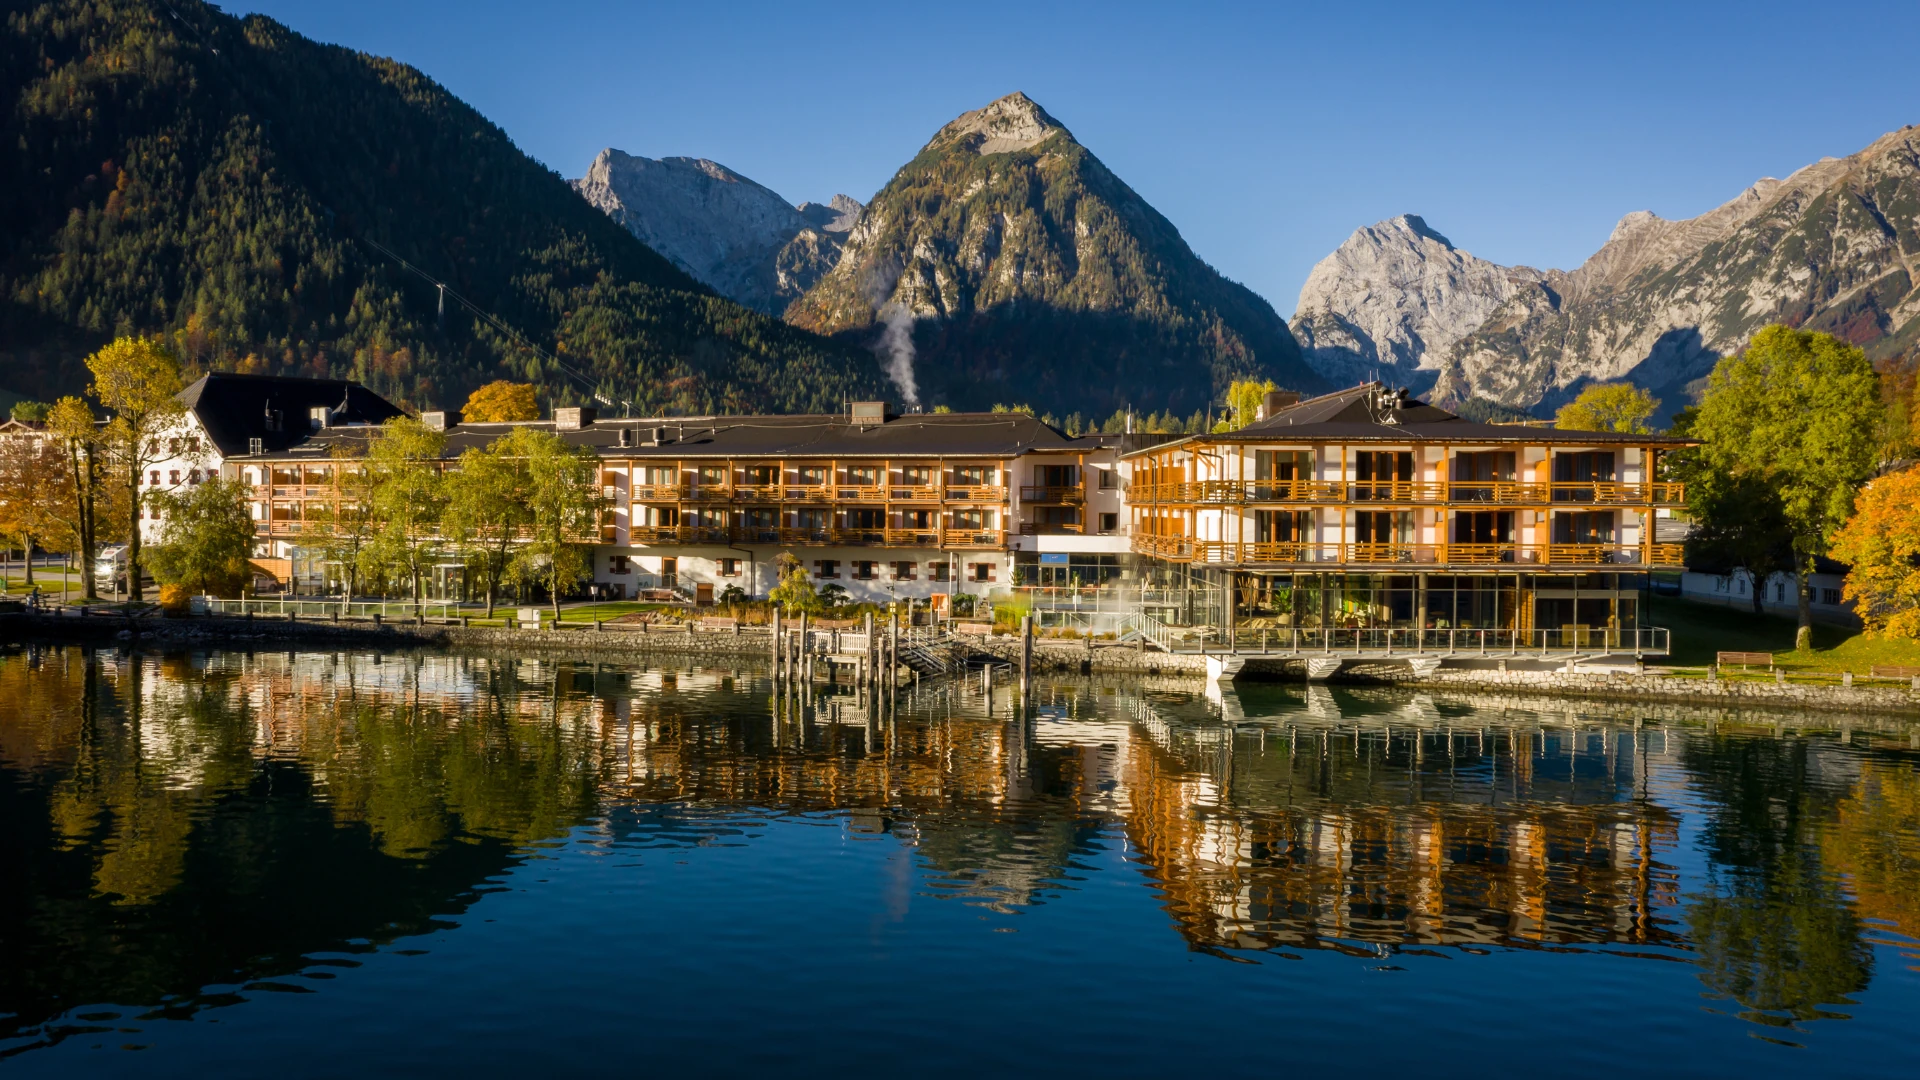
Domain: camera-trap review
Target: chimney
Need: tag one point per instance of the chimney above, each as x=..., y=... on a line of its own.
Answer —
x=574, y=417
x=441, y=419
x=658, y=437
x=626, y=436
x=1275, y=401
x=865, y=413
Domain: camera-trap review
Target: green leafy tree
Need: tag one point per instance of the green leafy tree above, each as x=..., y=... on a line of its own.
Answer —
x=31, y=412
x=206, y=539
x=343, y=532
x=795, y=593
x=563, y=505
x=1608, y=407
x=1738, y=520
x=1799, y=412
x=406, y=497
x=488, y=498
x=138, y=380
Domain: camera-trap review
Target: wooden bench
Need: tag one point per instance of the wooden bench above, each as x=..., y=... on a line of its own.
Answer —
x=1894, y=671
x=660, y=596
x=984, y=629
x=720, y=624
x=1743, y=658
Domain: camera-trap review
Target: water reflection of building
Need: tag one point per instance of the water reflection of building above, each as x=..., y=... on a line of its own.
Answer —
x=1367, y=833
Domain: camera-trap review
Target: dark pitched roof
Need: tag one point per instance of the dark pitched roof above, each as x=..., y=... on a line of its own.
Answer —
x=1369, y=413
x=275, y=408
x=922, y=435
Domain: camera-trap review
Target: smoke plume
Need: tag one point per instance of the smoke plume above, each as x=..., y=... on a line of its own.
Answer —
x=895, y=350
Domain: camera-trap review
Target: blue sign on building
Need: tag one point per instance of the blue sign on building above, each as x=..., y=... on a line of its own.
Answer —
x=1058, y=558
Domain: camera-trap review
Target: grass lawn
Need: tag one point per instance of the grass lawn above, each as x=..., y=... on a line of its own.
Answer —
x=1700, y=630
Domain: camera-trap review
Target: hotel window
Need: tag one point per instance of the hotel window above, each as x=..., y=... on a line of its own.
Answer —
x=872, y=520
x=863, y=475
x=193, y=477
x=975, y=475
x=812, y=475
x=937, y=571
x=903, y=571
x=729, y=567
x=917, y=476
x=761, y=475
x=1583, y=528
x=865, y=569
x=1282, y=465
x=617, y=565
x=1830, y=597
x=712, y=475
x=153, y=478
x=1109, y=479
x=173, y=477
x=1282, y=526
x=980, y=571
x=826, y=568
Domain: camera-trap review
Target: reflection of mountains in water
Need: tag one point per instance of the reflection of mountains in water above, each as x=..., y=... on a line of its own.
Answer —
x=224, y=816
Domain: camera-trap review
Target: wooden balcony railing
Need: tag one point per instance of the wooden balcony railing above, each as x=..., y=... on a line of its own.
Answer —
x=918, y=537
x=1424, y=492
x=1228, y=553
x=862, y=493
x=976, y=493
x=1056, y=495
x=914, y=493
x=1052, y=528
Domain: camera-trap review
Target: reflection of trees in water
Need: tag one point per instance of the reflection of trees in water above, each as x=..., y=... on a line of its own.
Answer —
x=1775, y=929
x=168, y=827
x=1874, y=839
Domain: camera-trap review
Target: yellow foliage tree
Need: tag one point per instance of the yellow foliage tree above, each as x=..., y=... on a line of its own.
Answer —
x=1881, y=541
x=1244, y=398
x=500, y=402
x=1608, y=407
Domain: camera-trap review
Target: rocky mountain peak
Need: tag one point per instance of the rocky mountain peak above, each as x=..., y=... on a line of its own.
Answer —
x=1014, y=122
x=837, y=215
x=1392, y=299
x=735, y=236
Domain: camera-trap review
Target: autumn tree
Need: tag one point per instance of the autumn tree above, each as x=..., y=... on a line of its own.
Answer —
x=1244, y=398
x=1798, y=412
x=487, y=510
x=83, y=502
x=205, y=539
x=31, y=490
x=1738, y=520
x=1621, y=407
x=499, y=402
x=1881, y=542
x=137, y=379
x=406, y=496
x=563, y=506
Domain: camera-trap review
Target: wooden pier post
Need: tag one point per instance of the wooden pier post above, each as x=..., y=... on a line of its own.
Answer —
x=1026, y=653
x=870, y=648
x=776, y=644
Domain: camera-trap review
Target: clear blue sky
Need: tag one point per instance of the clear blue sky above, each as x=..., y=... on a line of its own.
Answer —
x=1266, y=133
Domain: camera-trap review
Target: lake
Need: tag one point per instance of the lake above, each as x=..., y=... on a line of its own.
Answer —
x=317, y=863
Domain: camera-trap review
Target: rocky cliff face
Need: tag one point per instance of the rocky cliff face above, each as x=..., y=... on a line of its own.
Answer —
x=1391, y=301
x=1832, y=247
x=1006, y=263
x=740, y=239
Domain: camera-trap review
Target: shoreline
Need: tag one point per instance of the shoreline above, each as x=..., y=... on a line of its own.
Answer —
x=1050, y=658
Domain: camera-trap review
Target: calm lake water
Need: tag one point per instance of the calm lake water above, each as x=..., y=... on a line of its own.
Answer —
x=325, y=863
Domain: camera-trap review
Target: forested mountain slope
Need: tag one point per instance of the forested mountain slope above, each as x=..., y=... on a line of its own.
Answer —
x=169, y=168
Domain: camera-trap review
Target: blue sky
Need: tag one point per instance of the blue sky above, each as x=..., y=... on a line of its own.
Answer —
x=1267, y=133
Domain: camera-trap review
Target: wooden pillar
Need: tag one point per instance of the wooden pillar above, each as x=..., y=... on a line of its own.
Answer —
x=1026, y=653
x=776, y=644
x=868, y=652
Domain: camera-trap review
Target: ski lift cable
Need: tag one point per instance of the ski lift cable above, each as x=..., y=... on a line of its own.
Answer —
x=587, y=383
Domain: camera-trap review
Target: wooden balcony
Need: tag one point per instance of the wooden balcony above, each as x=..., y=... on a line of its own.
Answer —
x=920, y=537
x=1058, y=496
x=1409, y=492
x=928, y=493
x=860, y=493
x=1412, y=556
x=976, y=493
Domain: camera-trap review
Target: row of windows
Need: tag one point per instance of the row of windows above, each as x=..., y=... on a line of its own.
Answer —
x=173, y=477
x=1826, y=596
x=862, y=569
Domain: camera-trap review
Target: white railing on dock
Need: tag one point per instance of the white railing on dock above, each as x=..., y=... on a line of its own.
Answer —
x=319, y=607
x=1402, y=641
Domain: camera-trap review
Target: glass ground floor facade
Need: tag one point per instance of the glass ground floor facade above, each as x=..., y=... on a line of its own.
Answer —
x=1438, y=601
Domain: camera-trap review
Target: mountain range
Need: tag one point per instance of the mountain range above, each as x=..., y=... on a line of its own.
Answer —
x=1832, y=247
x=276, y=205
x=1003, y=264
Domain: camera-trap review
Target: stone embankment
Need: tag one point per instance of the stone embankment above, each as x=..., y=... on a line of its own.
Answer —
x=1049, y=657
